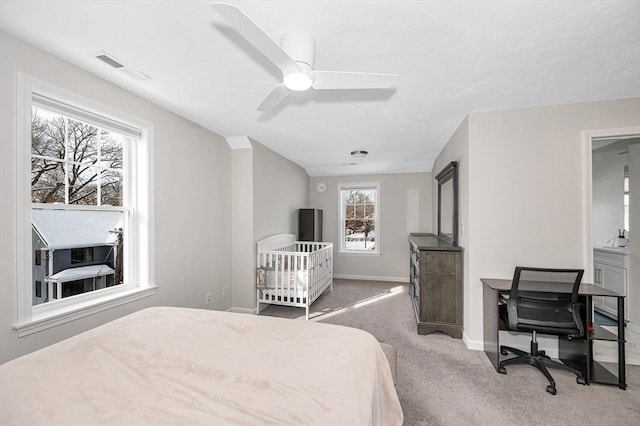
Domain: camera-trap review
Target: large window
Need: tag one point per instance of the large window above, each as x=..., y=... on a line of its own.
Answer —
x=360, y=228
x=86, y=183
x=78, y=201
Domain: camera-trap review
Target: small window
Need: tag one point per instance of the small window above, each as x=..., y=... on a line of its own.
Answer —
x=38, y=258
x=72, y=288
x=38, y=288
x=82, y=255
x=360, y=227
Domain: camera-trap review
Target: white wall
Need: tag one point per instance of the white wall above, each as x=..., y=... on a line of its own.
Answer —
x=192, y=233
x=608, y=209
x=527, y=189
x=405, y=207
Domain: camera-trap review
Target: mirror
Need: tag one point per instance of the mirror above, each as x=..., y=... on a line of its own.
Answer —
x=448, y=203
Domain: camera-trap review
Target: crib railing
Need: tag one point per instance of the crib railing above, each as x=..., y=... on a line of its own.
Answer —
x=294, y=274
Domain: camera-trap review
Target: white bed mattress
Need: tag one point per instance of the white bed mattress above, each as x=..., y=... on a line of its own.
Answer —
x=286, y=280
x=188, y=366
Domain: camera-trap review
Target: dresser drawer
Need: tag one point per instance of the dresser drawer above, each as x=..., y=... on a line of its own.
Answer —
x=435, y=271
x=439, y=262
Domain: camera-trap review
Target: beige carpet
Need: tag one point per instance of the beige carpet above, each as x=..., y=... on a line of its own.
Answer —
x=440, y=382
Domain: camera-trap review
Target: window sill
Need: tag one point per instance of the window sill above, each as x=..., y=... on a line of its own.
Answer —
x=95, y=305
x=358, y=253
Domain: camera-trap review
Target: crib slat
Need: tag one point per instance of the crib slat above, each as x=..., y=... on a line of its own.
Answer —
x=301, y=271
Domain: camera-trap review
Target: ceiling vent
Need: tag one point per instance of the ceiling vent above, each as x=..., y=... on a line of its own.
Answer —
x=119, y=66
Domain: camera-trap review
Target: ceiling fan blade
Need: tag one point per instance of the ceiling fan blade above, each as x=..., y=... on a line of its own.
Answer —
x=276, y=96
x=327, y=80
x=248, y=29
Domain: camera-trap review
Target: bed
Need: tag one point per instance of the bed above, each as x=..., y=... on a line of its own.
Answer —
x=292, y=273
x=183, y=366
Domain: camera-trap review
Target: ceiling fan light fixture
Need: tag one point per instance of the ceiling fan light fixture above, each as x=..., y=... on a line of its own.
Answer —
x=359, y=154
x=294, y=56
x=297, y=81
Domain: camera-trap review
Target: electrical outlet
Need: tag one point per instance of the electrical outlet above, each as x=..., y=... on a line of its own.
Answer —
x=208, y=298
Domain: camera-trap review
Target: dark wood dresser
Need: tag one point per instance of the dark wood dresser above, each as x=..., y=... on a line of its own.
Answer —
x=435, y=284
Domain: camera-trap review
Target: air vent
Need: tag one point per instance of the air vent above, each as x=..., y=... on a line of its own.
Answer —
x=119, y=65
x=110, y=61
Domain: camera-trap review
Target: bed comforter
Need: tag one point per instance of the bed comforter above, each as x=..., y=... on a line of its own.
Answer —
x=198, y=367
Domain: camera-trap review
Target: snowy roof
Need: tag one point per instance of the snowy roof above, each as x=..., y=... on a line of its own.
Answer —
x=76, y=228
x=80, y=273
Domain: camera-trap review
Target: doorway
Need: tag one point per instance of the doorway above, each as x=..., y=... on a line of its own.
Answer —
x=613, y=227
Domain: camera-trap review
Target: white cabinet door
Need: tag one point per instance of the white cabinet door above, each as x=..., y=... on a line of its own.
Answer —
x=611, y=272
x=597, y=280
x=614, y=279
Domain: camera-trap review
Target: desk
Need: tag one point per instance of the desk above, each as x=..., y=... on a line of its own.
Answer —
x=577, y=353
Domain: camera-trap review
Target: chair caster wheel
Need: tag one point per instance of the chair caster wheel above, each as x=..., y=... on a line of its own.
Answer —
x=551, y=389
x=502, y=370
x=581, y=381
x=504, y=352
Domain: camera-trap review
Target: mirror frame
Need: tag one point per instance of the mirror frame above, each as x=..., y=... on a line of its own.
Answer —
x=449, y=173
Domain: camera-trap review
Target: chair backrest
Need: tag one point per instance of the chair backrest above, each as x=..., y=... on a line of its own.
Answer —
x=545, y=300
x=546, y=280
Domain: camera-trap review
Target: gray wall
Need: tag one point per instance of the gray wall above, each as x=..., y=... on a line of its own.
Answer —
x=268, y=190
x=280, y=188
x=192, y=232
x=405, y=207
x=242, y=241
x=62, y=258
x=457, y=149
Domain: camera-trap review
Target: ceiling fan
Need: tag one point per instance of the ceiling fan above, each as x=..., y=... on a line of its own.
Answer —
x=295, y=58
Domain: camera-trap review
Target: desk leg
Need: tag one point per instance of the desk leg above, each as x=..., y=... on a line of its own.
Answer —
x=491, y=328
x=622, y=380
x=577, y=353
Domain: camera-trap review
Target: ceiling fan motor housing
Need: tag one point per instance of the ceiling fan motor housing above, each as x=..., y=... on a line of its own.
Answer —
x=301, y=47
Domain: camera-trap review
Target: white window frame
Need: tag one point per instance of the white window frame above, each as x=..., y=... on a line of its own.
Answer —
x=31, y=319
x=625, y=194
x=376, y=217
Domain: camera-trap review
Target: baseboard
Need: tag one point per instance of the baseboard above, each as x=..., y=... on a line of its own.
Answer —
x=632, y=337
x=242, y=310
x=474, y=345
x=371, y=278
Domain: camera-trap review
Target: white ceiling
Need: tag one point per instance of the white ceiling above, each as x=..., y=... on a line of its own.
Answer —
x=452, y=58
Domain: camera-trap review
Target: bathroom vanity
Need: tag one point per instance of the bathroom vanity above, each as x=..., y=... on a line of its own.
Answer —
x=611, y=271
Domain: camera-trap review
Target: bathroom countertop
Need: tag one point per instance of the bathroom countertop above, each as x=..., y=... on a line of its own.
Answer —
x=616, y=250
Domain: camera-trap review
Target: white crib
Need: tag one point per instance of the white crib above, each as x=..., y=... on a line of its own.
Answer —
x=292, y=273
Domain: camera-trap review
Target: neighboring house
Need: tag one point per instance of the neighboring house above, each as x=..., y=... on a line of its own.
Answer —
x=74, y=252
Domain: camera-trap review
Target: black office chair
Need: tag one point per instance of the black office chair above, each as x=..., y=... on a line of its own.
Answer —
x=543, y=301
